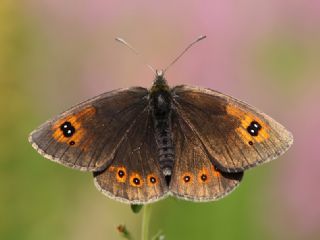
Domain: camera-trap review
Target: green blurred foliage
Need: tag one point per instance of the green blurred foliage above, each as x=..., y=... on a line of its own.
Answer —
x=283, y=59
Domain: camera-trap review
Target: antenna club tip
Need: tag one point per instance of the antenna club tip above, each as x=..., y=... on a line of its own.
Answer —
x=202, y=37
x=119, y=39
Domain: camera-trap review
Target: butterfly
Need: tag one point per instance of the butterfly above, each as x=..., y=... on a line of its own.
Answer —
x=145, y=144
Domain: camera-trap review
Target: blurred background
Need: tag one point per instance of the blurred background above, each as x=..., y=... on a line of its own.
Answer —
x=54, y=54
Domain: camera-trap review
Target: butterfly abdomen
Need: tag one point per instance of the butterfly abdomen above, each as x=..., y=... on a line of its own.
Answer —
x=161, y=109
x=165, y=146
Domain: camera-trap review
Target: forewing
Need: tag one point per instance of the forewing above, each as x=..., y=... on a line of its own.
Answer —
x=134, y=175
x=86, y=136
x=223, y=125
x=194, y=176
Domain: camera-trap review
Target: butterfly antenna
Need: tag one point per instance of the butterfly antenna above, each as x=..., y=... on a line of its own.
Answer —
x=121, y=40
x=184, y=51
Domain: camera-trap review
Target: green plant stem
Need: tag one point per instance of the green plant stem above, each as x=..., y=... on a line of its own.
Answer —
x=145, y=222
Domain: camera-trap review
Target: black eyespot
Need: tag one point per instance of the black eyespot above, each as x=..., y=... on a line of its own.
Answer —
x=67, y=129
x=204, y=177
x=121, y=173
x=153, y=180
x=72, y=143
x=254, y=128
x=186, y=179
x=250, y=143
x=136, y=181
x=252, y=131
x=255, y=125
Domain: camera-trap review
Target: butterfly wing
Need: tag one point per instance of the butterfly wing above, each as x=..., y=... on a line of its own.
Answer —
x=134, y=175
x=234, y=134
x=87, y=136
x=194, y=176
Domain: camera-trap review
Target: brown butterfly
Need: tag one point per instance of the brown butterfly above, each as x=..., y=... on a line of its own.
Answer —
x=145, y=144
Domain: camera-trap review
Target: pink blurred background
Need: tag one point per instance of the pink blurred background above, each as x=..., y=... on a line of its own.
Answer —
x=55, y=54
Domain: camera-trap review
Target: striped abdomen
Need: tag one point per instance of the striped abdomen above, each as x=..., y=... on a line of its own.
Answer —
x=161, y=105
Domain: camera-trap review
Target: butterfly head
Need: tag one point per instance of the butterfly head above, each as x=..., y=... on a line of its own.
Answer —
x=159, y=83
x=159, y=79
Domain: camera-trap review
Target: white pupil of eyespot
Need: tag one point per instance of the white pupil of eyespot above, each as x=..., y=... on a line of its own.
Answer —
x=65, y=126
x=255, y=125
x=69, y=131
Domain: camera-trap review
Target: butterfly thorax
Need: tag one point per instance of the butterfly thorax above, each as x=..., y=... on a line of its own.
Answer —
x=161, y=105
